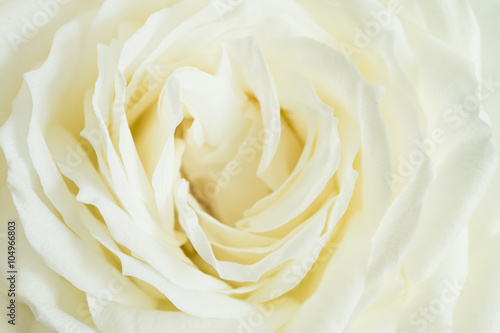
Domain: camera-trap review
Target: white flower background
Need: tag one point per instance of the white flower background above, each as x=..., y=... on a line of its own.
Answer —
x=251, y=165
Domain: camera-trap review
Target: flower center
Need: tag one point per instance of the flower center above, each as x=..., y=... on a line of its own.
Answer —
x=225, y=178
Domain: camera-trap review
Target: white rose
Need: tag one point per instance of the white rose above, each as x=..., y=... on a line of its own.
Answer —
x=250, y=166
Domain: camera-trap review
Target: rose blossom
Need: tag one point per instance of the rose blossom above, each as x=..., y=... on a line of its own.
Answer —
x=251, y=166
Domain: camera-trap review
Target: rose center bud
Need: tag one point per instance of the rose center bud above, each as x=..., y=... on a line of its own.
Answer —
x=224, y=177
x=218, y=136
